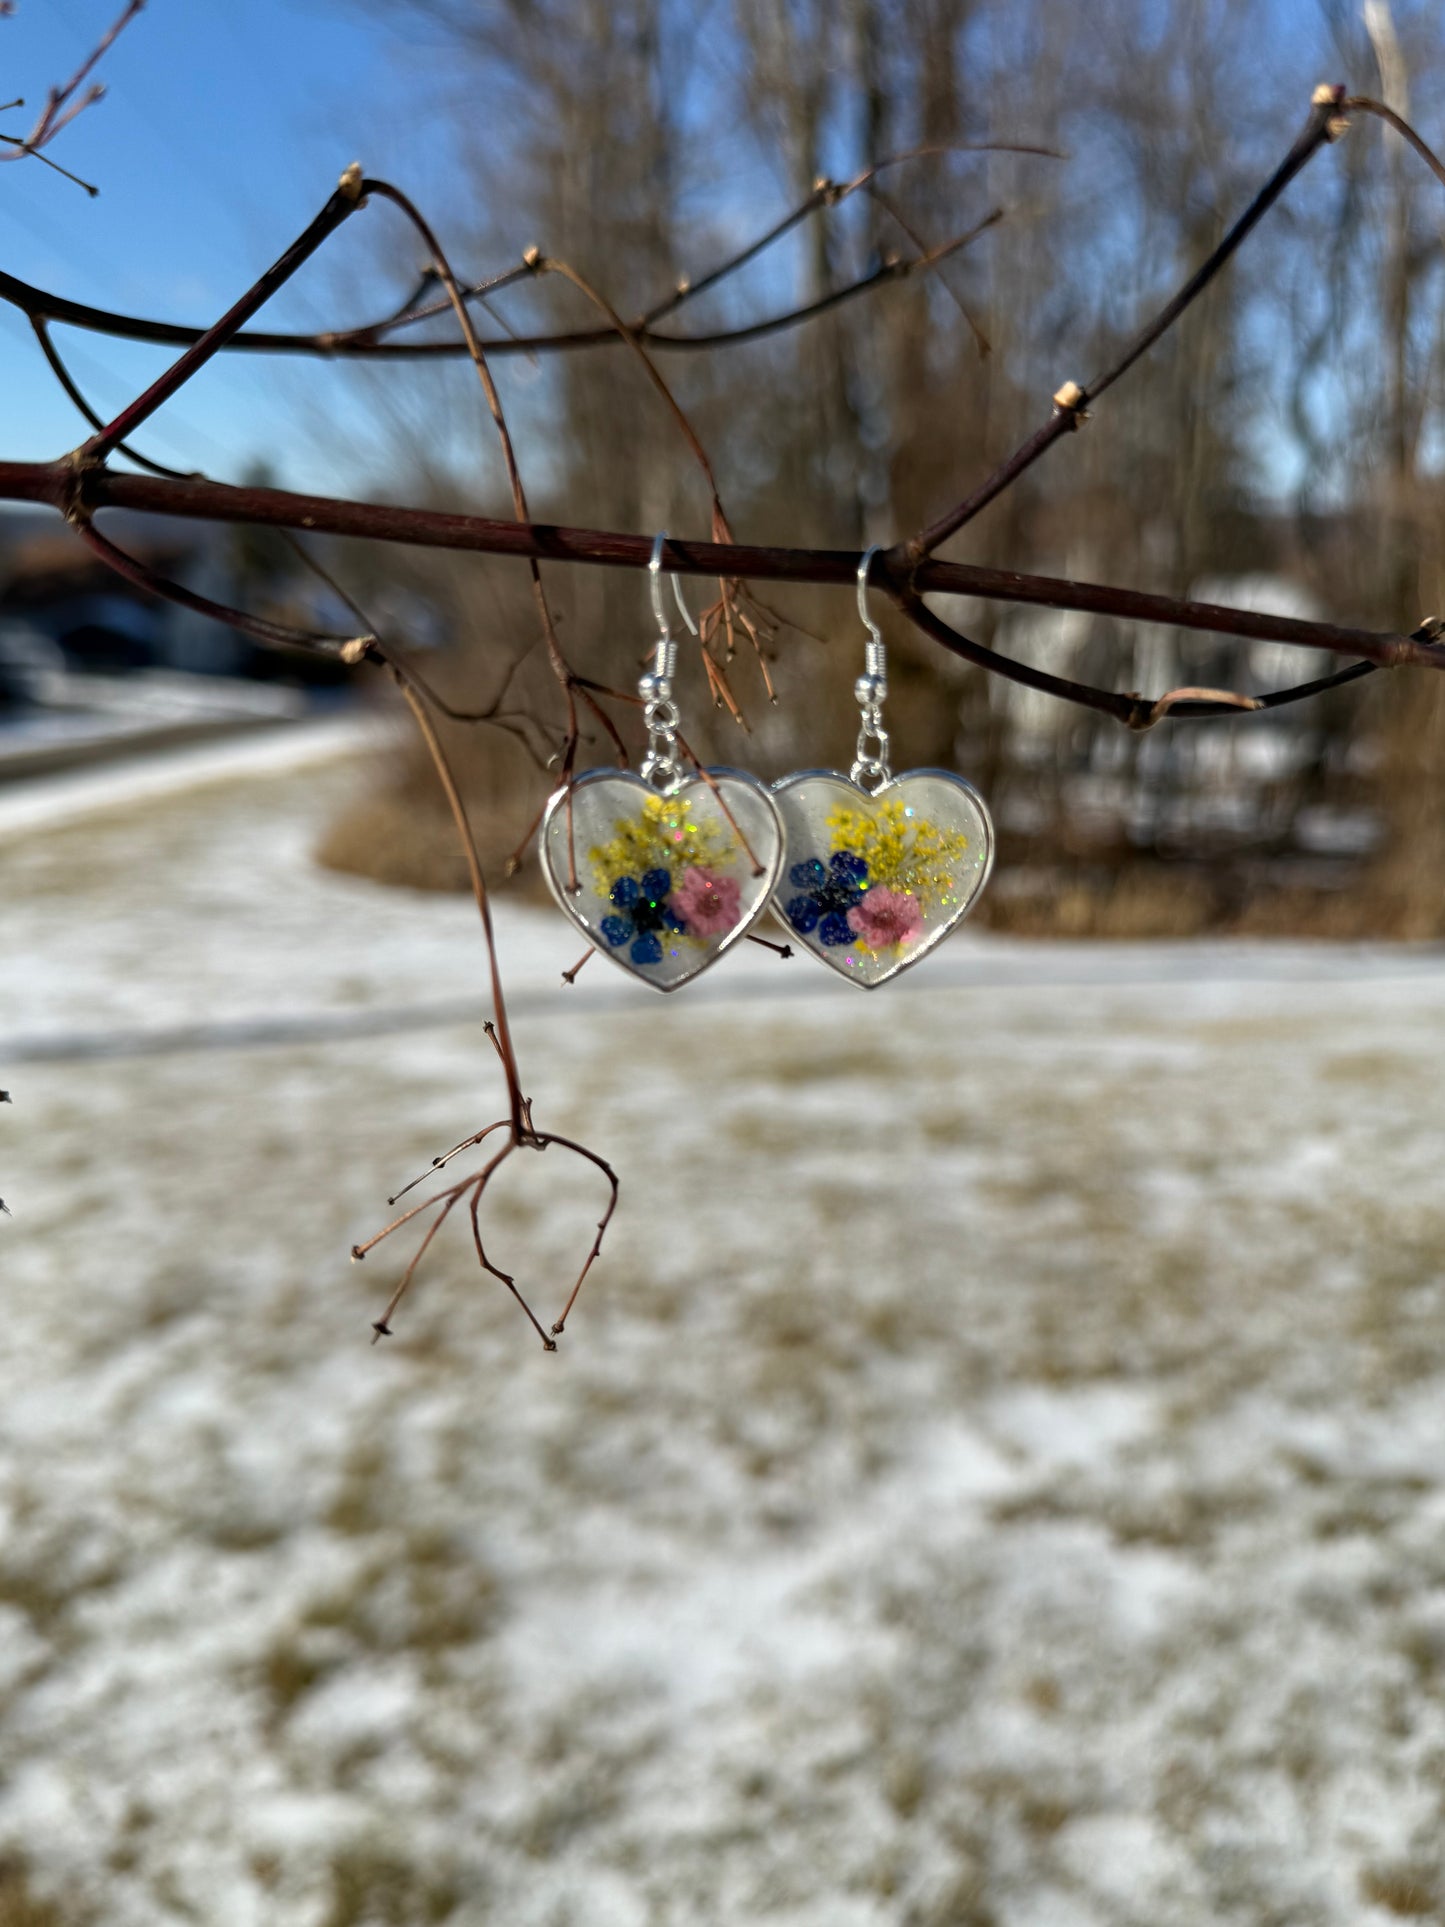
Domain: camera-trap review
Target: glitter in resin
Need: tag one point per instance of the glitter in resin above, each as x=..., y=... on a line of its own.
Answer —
x=659, y=871
x=874, y=881
x=662, y=883
x=887, y=868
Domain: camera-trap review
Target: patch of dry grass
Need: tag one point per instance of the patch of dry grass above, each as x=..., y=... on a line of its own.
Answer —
x=376, y=1886
x=1000, y=1415
x=20, y=1906
x=396, y=829
x=1148, y=901
x=1414, y=1893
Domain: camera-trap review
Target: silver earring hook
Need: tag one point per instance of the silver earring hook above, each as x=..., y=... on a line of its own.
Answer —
x=660, y=766
x=870, y=767
x=686, y=612
x=654, y=570
x=874, y=658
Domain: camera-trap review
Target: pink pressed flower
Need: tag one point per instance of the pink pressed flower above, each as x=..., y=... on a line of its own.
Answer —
x=708, y=904
x=885, y=917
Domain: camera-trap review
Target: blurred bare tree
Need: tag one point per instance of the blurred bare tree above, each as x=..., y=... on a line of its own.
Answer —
x=1281, y=446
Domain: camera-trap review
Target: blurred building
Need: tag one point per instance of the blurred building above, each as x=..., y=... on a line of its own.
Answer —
x=60, y=605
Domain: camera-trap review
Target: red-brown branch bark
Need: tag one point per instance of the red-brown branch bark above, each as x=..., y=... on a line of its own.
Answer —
x=59, y=486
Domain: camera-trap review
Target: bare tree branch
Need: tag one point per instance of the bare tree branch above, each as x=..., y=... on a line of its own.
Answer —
x=1071, y=402
x=368, y=340
x=63, y=104
x=344, y=202
x=61, y=487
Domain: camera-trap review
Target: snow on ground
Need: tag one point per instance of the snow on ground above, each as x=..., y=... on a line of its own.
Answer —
x=26, y=806
x=996, y=1475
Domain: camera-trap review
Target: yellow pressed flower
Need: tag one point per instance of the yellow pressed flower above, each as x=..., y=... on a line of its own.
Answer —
x=902, y=851
x=665, y=833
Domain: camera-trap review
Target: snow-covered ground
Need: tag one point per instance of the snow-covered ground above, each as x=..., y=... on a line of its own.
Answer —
x=995, y=1476
x=73, y=718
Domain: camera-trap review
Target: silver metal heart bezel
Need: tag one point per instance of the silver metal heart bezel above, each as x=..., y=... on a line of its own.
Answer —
x=764, y=885
x=936, y=937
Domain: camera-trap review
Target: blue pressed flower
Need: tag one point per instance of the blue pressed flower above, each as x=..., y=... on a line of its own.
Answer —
x=644, y=910
x=827, y=895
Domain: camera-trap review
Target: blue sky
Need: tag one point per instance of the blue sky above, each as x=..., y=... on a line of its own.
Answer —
x=224, y=128
x=222, y=132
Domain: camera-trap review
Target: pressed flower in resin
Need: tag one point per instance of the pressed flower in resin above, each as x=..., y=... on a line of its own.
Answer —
x=709, y=904
x=885, y=917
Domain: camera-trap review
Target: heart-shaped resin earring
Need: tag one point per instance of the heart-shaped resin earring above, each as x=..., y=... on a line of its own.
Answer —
x=661, y=871
x=879, y=868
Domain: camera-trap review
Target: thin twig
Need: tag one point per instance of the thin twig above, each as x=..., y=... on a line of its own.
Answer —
x=521, y=1133
x=479, y=890
x=63, y=104
x=517, y=723
x=581, y=1151
x=344, y=202
x=275, y=635
x=63, y=375
x=561, y=667
x=1362, y=104
x=362, y=344
x=1071, y=402
x=369, y=340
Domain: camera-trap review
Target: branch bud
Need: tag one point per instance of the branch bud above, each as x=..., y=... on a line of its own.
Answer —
x=532, y=256
x=350, y=182
x=1327, y=94
x=356, y=649
x=1070, y=400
